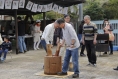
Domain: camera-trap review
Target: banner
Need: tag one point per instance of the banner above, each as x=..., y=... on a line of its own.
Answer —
x=39, y=8
x=34, y=8
x=8, y=4
x=15, y=4
x=71, y=9
x=49, y=7
x=65, y=10
x=44, y=8
x=60, y=10
x=2, y=2
x=55, y=8
x=29, y=5
x=21, y=3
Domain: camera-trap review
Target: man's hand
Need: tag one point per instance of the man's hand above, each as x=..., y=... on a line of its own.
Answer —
x=72, y=46
x=57, y=40
x=94, y=41
x=51, y=46
x=83, y=42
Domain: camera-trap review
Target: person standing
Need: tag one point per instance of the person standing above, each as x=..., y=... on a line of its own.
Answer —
x=47, y=37
x=89, y=39
x=80, y=38
x=107, y=30
x=60, y=35
x=37, y=34
x=67, y=19
x=71, y=40
x=21, y=36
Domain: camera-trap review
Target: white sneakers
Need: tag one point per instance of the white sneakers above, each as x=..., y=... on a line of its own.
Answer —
x=36, y=48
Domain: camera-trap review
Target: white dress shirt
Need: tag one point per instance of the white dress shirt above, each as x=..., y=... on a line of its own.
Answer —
x=69, y=34
x=48, y=33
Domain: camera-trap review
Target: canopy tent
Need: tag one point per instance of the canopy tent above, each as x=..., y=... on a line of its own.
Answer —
x=24, y=11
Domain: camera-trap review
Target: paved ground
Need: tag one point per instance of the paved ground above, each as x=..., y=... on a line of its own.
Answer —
x=24, y=66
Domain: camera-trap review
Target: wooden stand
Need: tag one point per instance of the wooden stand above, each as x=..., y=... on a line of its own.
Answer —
x=52, y=65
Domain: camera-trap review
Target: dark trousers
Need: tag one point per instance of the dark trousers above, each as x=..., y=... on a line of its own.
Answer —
x=111, y=46
x=91, y=53
x=82, y=48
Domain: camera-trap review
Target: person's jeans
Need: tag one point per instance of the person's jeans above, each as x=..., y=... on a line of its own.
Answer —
x=111, y=46
x=79, y=37
x=21, y=44
x=43, y=43
x=91, y=53
x=74, y=54
x=5, y=53
x=82, y=46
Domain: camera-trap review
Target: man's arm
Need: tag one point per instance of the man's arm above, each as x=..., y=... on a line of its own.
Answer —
x=95, y=34
x=83, y=36
x=48, y=30
x=73, y=35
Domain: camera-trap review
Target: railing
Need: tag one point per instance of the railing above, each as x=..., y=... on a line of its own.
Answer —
x=114, y=24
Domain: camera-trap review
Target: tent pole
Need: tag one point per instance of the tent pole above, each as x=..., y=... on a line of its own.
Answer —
x=80, y=12
x=16, y=31
x=44, y=19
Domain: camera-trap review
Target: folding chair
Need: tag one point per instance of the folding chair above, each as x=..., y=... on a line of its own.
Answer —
x=10, y=53
x=102, y=47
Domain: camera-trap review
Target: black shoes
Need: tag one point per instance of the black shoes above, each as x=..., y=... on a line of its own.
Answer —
x=75, y=76
x=61, y=73
x=115, y=68
x=25, y=51
x=105, y=53
x=91, y=64
x=65, y=73
x=82, y=55
x=111, y=54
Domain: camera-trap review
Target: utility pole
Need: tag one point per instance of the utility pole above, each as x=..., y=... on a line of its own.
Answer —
x=80, y=12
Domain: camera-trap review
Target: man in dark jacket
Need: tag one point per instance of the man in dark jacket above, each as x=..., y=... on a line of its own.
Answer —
x=21, y=34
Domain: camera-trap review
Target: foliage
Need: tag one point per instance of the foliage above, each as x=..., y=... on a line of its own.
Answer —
x=95, y=11
x=111, y=9
x=38, y=16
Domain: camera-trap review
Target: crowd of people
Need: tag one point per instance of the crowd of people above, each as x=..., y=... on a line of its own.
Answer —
x=61, y=32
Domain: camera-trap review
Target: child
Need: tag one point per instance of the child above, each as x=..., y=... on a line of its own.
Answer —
x=4, y=48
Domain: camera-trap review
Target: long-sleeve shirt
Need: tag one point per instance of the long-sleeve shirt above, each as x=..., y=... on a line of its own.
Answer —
x=68, y=35
x=48, y=33
x=89, y=30
x=21, y=28
x=6, y=45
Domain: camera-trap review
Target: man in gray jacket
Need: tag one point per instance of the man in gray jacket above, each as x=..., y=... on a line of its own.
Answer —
x=72, y=43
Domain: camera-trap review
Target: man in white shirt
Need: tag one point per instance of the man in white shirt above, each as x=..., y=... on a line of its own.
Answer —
x=72, y=43
x=47, y=37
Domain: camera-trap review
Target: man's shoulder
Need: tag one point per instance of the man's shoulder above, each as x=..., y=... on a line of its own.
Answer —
x=49, y=25
x=92, y=23
x=68, y=25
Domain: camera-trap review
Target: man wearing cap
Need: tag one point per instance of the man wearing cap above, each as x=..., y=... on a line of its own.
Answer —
x=72, y=43
x=21, y=36
x=47, y=37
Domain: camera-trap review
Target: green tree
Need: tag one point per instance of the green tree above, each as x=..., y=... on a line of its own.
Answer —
x=94, y=10
x=111, y=9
